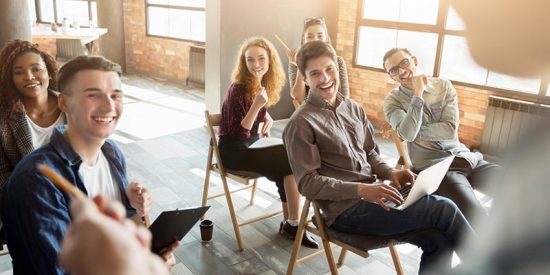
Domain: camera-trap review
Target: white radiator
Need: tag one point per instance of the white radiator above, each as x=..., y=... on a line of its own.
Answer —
x=506, y=120
x=196, y=65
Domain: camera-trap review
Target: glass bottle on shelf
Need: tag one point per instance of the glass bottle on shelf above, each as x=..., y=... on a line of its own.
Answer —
x=65, y=24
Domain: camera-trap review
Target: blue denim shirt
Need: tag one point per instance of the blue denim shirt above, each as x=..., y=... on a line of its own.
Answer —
x=35, y=212
x=428, y=124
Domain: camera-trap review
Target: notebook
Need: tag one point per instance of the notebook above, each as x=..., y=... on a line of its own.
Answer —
x=426, y=183
x=266, y=142
x=174, y=225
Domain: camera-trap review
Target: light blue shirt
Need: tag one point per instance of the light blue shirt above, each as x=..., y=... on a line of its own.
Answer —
x=428, y=124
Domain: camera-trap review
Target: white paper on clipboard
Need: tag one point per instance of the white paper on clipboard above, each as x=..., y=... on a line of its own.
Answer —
x=266, y=142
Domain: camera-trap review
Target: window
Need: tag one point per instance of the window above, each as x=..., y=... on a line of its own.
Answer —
x=433, y=32
x=179, y=19
x=81, y=12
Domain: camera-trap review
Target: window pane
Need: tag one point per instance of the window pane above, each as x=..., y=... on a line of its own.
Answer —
x=412, y=11
x=74, y=11
x=198, y=25
x=514, y=83
x=32, y=10
x=94, y=13
x=158, y=22
x=458, y=64
x=375, y=42
x=46, y=10
x=180, y=24
x=183, y=24
x=548, y=91
x=180, y=3
x=454, y=22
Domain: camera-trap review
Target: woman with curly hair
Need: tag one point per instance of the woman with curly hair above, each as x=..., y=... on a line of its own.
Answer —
x=28, y=104
x=257, y=80
x=315, y=29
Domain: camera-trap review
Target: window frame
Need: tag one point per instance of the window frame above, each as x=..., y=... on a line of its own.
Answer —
x=440, y=30
x=188, y=8
x=38, y=10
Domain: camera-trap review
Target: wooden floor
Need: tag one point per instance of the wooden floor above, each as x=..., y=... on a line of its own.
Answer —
x=163, y=136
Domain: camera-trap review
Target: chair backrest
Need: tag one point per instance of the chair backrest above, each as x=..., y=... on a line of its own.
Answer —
x=213, y=120
x=404, y=158
x=358, y=244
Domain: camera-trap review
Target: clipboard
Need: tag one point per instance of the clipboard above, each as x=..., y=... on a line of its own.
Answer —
x=173, y=225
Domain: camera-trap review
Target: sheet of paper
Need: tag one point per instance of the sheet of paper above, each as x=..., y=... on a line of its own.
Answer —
x=266, y=142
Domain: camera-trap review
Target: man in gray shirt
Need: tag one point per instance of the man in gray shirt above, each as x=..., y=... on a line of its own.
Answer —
x=334, y=158
x=424, y=112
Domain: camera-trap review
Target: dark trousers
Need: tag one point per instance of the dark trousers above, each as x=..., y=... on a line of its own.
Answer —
x=270, y=162
x=433, y=223
x=460, y=181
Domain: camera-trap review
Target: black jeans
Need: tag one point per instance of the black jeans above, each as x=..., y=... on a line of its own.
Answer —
x=270, y=162
x=460, y=181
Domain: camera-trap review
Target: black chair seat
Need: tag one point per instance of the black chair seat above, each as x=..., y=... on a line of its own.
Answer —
x=243, y=173
x=363, y=242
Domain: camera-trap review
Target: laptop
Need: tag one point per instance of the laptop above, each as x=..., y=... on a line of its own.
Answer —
x=174, y=225
x=426, y=183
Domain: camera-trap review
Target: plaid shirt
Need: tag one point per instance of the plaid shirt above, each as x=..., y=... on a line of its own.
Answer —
x=15, y=142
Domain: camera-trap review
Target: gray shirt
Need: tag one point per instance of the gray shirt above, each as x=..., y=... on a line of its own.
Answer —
x=428, y=124
x=331, y=151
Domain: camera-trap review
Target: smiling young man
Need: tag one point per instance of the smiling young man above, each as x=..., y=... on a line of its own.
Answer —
x=331, y=148
x=424, y=112
x=36, y=213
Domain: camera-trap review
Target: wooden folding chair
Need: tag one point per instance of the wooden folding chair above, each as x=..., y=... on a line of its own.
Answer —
x=242, y=177
x=404, y=161
x=358, y=244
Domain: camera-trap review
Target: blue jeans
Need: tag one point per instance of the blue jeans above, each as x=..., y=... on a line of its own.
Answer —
x=433, y=223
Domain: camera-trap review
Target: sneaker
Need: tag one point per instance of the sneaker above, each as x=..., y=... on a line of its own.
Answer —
x=289, y=231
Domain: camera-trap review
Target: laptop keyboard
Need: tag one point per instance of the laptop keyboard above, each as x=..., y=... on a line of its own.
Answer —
x=405, y=191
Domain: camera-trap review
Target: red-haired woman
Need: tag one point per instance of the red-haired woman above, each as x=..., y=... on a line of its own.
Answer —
x=257, y=80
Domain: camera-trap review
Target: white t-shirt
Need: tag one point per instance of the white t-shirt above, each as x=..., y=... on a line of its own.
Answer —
x=40, y=135
x=98, y=180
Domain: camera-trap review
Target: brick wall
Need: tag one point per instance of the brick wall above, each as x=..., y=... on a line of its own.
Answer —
x=158, y=56
x=369, y=87
x=46, y=44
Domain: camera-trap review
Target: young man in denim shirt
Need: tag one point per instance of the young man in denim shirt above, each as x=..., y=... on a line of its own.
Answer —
x=332, y=152
x=424, y=112
x=35, y=212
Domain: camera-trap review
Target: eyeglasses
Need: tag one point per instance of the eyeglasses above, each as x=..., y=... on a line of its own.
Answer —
x=402, y=65
x=314, y=20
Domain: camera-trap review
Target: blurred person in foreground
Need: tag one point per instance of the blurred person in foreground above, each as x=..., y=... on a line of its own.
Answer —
x=101, y=241
x=514, y=39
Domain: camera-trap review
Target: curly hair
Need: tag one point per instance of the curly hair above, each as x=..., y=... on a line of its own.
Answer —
x=9, y=96
x=273, y=81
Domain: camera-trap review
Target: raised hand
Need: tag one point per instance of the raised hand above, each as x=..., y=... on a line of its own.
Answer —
x=401, y=177
x=261, y=98
x=291, y=54
x=419, y=82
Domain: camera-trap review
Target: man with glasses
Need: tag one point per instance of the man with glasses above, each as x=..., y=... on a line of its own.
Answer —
x=424, y=112
x=331, y=149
